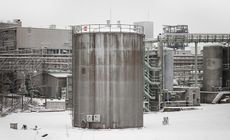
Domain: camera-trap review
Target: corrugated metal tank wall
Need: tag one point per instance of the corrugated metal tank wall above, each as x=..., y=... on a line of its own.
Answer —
x=108, y=79
x=213, y=67
x=226, y=64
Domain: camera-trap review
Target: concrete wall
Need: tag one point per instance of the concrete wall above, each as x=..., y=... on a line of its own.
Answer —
x=108, y=79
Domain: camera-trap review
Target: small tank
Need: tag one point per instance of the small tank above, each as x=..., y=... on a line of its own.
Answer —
x=108, y=76
x=168, y=69
x=212, y=61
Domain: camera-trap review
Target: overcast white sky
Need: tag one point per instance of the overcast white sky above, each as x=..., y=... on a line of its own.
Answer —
x=207, y=16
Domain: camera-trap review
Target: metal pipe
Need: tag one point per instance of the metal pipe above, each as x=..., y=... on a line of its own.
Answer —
x=196, y=44
x=161, y=47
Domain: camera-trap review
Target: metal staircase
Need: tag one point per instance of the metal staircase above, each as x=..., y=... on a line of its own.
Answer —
x=152, y=80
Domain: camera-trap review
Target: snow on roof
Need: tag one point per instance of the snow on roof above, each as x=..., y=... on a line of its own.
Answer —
x=55, y=100
x=60, y=75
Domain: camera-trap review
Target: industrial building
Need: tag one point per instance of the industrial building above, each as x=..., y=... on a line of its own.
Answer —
x=54, y=41
x=178, y=66
x=104, y=89
x=51, y=84
x=189, y=69
x=26, y=52
x=170, y=65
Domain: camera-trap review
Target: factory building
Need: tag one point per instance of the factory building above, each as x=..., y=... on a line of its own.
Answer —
x=53, y=41
x=38, y=52
x=178, y=65
x=26, y=52
x=51, y=85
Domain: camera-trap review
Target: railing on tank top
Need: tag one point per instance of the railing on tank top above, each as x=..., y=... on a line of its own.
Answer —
x=88, y=28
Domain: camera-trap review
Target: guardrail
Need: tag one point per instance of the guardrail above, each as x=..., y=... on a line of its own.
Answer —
x=190, y=38
x=89, y=28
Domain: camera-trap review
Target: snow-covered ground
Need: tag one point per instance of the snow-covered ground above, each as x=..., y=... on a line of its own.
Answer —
x=211, y=122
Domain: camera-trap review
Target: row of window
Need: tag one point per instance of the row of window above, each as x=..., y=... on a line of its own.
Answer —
x=48, y=51
x=59, y=51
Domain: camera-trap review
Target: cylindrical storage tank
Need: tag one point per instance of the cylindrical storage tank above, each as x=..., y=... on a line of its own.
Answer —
x=108, y=79
x=168, y=69
x=226, y=67
x=212, y=61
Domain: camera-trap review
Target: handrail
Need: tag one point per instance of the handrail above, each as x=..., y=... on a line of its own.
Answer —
x=151, y=67
x=89, y=28
x=190, y=38
x=149, y=96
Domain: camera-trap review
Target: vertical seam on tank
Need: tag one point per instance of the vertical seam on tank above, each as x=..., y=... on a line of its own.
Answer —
x=95, y=67
x=110, y=82
x=78, y=94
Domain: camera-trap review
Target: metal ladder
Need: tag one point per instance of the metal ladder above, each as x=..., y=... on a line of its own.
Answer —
x=151, y=81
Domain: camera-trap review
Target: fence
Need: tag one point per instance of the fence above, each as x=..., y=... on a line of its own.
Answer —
x=108, y=28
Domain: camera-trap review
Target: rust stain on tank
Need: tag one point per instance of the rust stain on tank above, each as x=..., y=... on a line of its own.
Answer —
x=108, y=79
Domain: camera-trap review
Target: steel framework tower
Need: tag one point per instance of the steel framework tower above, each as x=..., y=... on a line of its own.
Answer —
x=173, y=37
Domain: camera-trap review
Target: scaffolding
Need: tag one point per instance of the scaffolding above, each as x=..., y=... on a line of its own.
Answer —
x=16, y=65
x=184, y=69
x=34, y=61
x=7, y=39
x=152, y=77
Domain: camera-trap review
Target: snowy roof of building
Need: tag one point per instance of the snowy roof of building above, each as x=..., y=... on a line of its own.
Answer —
x=59, y=75
x=55, y=100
